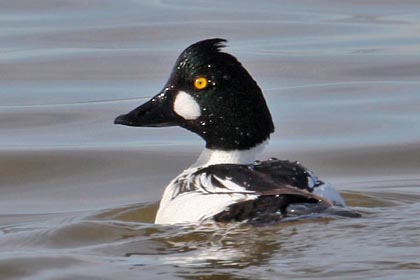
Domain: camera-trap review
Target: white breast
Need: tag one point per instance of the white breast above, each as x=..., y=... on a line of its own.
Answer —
x=196, y=205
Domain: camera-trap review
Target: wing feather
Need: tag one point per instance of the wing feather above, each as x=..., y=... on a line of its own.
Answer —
x=290, y=179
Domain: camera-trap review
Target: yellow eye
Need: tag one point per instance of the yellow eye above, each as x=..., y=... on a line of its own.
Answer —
x=201, y=83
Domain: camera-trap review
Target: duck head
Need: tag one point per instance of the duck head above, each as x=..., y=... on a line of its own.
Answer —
x=210, y=93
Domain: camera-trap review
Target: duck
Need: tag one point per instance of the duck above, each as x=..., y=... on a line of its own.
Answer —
x=210, y=93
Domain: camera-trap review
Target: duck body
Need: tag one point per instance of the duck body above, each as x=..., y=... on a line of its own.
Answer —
x=242, y=192
x=211, y=94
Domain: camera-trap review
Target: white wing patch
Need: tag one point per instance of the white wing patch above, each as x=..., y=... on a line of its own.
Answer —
x=233, y=187
x=186, y=106
x=205, y=185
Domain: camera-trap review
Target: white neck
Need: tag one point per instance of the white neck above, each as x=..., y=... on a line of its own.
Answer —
x=210, y=157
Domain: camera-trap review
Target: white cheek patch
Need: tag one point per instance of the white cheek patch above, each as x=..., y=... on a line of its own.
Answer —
x=186, y=106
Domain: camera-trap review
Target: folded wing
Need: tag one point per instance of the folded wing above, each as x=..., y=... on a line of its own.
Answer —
x=271, y=186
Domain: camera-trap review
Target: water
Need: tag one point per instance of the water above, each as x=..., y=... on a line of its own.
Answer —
x=78, y=194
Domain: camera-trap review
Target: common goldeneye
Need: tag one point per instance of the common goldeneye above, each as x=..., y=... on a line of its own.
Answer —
x=211, y=94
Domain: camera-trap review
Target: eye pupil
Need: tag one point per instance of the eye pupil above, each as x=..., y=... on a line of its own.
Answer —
x=200, y=83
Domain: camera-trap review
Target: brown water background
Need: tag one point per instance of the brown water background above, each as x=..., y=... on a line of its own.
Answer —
x=78, y=194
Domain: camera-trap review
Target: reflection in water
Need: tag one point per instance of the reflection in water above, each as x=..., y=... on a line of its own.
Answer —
x=125, y=238
x=221, y=249
x=204, y=250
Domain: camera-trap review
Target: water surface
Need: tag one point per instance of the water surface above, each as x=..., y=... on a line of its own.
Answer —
x=78, y=194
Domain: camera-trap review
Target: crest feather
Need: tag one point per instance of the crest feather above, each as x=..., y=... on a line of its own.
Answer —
x=209, y=46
